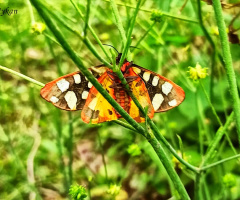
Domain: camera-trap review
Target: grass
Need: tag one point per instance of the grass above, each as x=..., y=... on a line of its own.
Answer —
x=200, y=153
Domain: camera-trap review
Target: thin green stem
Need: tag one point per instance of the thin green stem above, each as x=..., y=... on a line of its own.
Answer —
x=103, y=158
x=91, y=30
x=70, y=147
x=214, y=54
x=118, y=21
x=183, y=18
x=87, y=18
x=70, y=28
x=228, y=62
x=30, y=11
x=22, y=76
x=220, y=162
x=145, y=34
x=124, y=125
x=159, y=136
x=216, y=140
x=58, y=126
x=129, y=34
x=210, y=103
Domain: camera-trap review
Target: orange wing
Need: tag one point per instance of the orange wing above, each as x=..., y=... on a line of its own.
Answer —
x=164, y=94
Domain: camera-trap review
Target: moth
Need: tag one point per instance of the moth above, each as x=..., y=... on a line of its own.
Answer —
x=74, y=92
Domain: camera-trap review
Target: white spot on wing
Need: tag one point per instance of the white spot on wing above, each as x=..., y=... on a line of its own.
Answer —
x=77, y=78
x=84, y=94
x=155, y=80
x=157, y=101
x=136, y=70
x=172, y=103
x=63, y=85
x=166, y=88
x=54, y=99
x=71, y=100
x=93, y=104
x=90, y=85
x=146, y=76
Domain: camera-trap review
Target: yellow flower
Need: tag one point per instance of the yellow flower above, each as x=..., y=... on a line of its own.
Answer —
x=197, y=72
x=114, y=189
x=38, y=27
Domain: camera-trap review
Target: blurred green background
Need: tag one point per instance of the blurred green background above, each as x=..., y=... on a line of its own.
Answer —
x=61, y=150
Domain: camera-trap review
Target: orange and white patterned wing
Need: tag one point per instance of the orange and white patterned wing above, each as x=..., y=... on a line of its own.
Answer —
x=70, y=92
x=164, y=94
x=97, y=109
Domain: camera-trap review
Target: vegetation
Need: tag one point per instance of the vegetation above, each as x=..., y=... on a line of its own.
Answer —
x=189, y=152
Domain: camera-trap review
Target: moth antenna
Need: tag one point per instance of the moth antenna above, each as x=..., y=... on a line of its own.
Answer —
x=134, y=47
x=112, y=47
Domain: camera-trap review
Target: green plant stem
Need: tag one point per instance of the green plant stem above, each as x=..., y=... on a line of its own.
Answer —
x=77, y=33
x=210, y=103
x=219, y=162
x=70, y=147
x=103, y=159
x=215, y=114
x=228, y=62
x=145, y=34
x=118, y=21
x=159, y=136
x=22, y=76
x=30, y=11
x=183, y=18
x=87, y=18
x=129, y=34
x=216, y=140
x=91, y=30
x=128, y=126
x=169, y=168
x=214, y=54
x=58, y=126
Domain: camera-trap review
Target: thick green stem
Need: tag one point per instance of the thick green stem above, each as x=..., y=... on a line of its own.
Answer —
x=228, y=62
x=169, y=168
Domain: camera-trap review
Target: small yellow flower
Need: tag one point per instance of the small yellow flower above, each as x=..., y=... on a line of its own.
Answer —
x=38, y=27
x=114, y=189
x=197, y=72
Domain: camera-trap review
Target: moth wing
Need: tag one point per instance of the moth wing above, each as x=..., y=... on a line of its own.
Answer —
x=163, y=93
x=70, y=92
x=97, y=109
x=140, y=91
